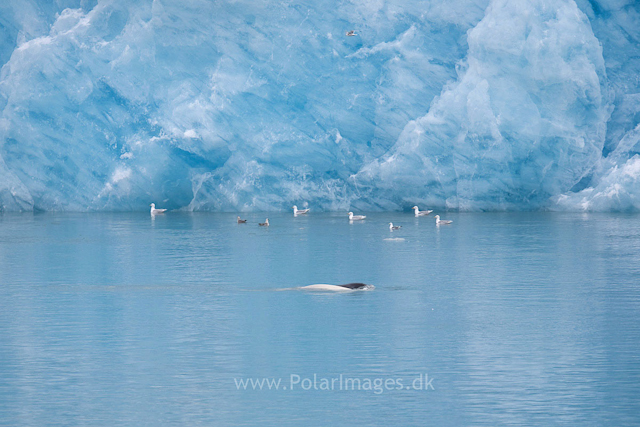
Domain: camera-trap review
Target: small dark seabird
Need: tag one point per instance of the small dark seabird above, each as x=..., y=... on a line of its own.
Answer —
x=265, y=223
x=241, y=221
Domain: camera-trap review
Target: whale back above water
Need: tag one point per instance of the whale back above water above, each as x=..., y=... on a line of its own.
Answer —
x=338, y=288
x=354, y=285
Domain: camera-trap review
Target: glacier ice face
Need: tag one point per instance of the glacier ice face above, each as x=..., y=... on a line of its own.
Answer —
x=235, y=105
x=468, y=104
x=613, y=183
x=618, y=184
x=525, y=121
x=618, y=190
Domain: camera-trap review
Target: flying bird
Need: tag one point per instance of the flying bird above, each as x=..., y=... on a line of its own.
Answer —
x=351, y=33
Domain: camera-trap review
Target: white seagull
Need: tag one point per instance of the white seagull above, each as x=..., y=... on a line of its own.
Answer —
x=297, y=211
x=265, y=223
x=418, y=213
x=241, y=221
x=353, y=217
x=394, y=227
x=155, y=211
x=442, y=221
x=351, y=33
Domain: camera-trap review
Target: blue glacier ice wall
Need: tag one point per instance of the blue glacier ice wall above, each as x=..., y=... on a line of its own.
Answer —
x=614, y=183
x=526, y=119
x=245, y=105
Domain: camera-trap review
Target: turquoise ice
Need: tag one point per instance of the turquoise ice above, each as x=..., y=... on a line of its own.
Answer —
x=225, y=106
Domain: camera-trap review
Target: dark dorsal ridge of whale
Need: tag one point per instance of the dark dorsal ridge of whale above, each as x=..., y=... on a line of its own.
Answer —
x=354, y=285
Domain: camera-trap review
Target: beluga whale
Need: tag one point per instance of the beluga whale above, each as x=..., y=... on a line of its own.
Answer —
x=349, y=287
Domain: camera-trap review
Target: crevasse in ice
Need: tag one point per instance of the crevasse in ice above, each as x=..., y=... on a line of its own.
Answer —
x=200, y=105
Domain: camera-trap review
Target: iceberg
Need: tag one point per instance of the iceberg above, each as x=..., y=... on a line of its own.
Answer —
x=225, y=106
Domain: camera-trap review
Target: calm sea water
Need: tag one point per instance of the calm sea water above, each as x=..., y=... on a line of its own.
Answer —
x=506, y=319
